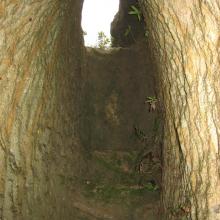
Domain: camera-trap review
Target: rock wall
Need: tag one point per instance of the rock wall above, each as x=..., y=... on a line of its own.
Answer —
x=184, y=38
x=118, y=84
x=127, y=29
x=57, y=103
x=40, y=86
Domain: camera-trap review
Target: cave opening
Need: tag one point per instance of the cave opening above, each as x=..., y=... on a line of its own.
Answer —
x=97, y=16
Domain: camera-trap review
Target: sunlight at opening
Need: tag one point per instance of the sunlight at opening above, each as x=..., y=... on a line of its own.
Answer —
x=97, y=16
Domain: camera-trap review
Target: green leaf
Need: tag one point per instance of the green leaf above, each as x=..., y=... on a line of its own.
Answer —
x=132, y=13
x=135, y=11
x=134, y=8
x=151, y=187
x=103, y=40
x=151, y=99
x=127, y=31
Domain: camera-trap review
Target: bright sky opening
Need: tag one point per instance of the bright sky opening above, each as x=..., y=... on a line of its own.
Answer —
x=97, y=16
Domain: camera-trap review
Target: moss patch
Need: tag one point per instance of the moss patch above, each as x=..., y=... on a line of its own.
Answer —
x=127, y=195
x=110, y=183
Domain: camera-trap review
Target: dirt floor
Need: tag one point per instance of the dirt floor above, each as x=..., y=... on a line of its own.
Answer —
x=114, y=189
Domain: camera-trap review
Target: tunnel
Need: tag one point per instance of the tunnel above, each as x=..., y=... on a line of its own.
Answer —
x=123, y=133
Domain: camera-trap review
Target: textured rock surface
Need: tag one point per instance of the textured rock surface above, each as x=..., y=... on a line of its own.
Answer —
x=118, y=83
x=48, y=117
x=184, y=37
x=40, y=84
x=124, y=22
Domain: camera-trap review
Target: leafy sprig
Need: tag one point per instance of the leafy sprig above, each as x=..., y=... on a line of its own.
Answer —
x=136, y=12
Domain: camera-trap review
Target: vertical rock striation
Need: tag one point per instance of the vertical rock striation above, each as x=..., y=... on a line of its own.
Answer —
x=40, y=83
x=184, y=37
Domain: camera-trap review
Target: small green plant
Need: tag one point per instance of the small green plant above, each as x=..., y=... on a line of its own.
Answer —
x=103, y=41
x=140, y=134
x=151, y=186
x=127, y=31
x=136, y=12
x=151, y=100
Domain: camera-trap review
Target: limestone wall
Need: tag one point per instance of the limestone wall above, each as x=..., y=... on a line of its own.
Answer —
x=40, y=85
x=118, y=84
